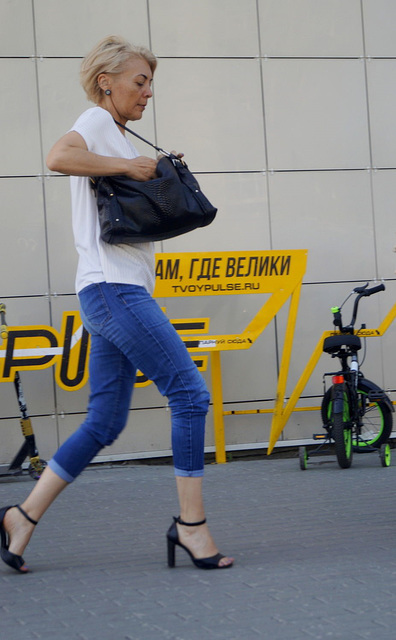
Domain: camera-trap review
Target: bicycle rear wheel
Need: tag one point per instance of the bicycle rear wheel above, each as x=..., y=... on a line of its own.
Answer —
x=377, y=422
x=377, y=419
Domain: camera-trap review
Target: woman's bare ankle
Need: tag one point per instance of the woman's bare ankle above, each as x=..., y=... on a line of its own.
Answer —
x=198, y=540
x=19, y=530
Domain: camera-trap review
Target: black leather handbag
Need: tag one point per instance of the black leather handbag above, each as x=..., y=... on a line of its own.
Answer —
x=131, y=211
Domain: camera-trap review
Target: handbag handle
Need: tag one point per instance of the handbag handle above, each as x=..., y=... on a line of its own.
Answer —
x=166, y=153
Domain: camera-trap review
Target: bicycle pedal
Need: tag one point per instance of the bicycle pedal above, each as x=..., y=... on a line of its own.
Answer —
x=319, y=436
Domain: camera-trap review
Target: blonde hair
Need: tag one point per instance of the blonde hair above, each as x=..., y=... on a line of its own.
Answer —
x=110, y=56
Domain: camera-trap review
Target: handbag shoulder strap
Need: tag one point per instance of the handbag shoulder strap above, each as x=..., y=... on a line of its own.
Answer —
x=166, y=153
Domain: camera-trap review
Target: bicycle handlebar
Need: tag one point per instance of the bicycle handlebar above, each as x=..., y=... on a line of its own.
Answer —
x=361, y=292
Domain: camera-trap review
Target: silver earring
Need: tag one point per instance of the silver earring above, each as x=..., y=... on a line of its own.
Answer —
x=107, y=92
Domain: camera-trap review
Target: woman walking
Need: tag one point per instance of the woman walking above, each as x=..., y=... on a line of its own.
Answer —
x=129, y=332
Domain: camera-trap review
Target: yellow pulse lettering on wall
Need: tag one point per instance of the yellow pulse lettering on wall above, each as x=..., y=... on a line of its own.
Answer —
x=40, y=346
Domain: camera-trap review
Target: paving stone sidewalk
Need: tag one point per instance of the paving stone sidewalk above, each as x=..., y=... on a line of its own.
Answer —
x=314, y=556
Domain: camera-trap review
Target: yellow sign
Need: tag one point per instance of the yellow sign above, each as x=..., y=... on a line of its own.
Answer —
x=277, y=272
x=226, y=272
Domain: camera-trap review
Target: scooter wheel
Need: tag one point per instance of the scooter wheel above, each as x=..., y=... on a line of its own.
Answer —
x=36, y=471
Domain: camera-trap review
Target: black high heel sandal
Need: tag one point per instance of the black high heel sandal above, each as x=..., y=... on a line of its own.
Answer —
x=14, y=561
x=173, y=540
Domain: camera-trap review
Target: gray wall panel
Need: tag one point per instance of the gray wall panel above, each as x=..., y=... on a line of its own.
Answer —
x=287, y=112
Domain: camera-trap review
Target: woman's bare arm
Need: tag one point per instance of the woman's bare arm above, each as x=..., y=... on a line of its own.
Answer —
x=70, y=156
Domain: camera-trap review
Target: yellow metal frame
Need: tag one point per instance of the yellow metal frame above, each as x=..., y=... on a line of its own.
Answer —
x=253, y=330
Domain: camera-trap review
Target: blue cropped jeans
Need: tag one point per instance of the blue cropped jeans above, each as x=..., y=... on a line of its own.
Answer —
x=129, y=331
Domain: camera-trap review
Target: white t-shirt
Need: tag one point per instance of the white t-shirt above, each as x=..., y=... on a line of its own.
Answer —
x=98, y=260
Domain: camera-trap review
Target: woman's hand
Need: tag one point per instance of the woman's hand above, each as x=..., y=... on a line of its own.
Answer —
x=142, y=169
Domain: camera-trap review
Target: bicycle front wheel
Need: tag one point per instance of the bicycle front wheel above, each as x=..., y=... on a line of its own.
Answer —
x=342, y=435
x=343, y=441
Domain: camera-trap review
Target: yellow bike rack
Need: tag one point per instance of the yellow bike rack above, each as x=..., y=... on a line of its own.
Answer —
x=279, y=273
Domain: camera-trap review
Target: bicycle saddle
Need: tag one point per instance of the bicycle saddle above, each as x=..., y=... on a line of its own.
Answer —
x=332, y=344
